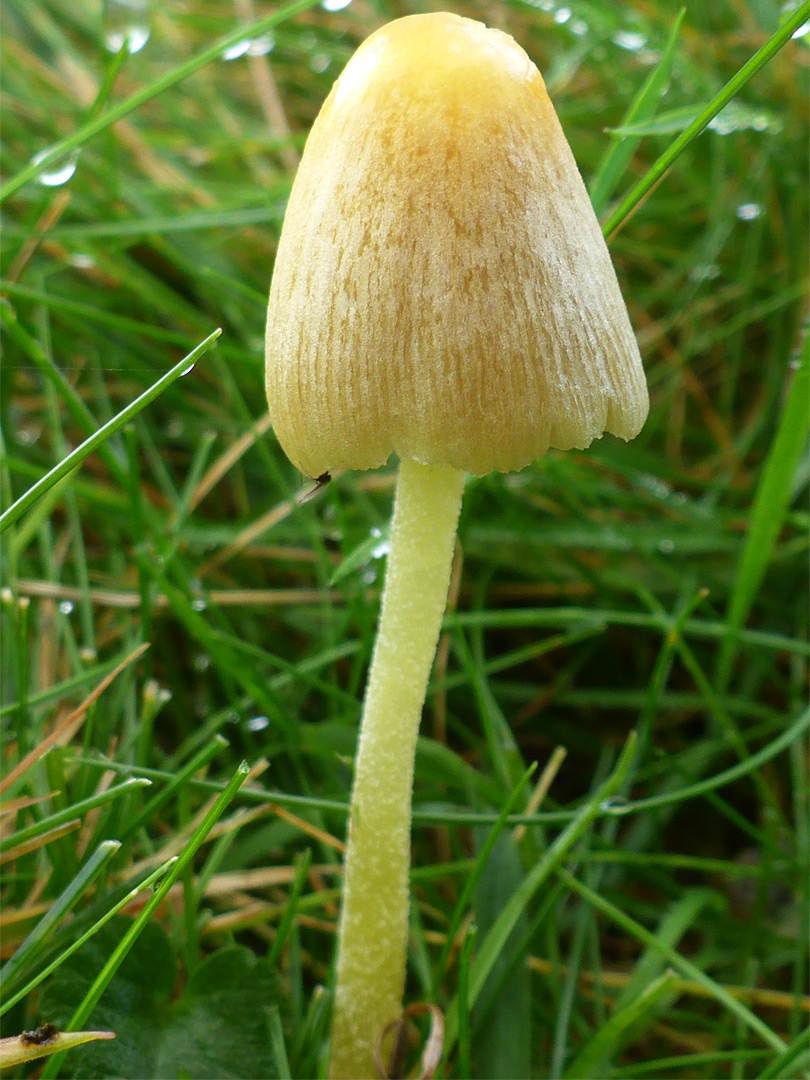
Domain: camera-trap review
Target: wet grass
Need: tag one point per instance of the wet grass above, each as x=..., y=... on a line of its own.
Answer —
x=657, y=587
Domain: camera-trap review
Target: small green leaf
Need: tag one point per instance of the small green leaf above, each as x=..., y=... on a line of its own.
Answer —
x=219, y=1027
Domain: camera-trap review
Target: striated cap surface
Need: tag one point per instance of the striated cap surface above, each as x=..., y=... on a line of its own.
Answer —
x=442, y=289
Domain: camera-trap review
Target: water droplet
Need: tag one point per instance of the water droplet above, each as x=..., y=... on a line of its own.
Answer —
x=27, y=436
x=656, y=487
x=187, y=371
x=135, y=37
x=749, y=211
x=174, y=428
x=802, y=31
x=368, y=575
x=199, y=604
x=738, y=117
x=87, y=654
x=233, y=52
x=202, y=662
x=705, y=272
x=127, y=23
x=258, y=723
x=381, y=550
x=666, y=547
x=614, y=805
x=66, y=606
x=6, y=595
x=164, y=694
x=335, y=5
x=58, y=171
x=232, y=717
x=319, y=63
x=579, y=27
x=261, y=46
x=629, y=39
x=562, y=15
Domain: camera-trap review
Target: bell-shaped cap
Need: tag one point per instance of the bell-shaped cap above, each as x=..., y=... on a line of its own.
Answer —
x=442, y=288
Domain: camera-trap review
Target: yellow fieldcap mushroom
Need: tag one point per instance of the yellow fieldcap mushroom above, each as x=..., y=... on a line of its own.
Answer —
x=442, y=289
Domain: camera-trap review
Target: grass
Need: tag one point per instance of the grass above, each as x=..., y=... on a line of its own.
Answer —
x=657, y=588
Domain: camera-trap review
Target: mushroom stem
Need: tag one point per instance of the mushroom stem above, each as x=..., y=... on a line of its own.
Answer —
x=373, y=930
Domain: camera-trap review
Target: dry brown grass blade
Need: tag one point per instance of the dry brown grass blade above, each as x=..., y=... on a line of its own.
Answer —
x=227, y=460
x=750, y=995
x=66, y=729
x=39, y=841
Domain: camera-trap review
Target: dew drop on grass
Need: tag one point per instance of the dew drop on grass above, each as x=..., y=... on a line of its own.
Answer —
x=257, y=723
x=666, y=547
x=562, y=15
x=87, y=654
x=188, y=371
x=199, y=604
x=202, y=662
x=233, y=52
x=27, y=436
x=319, y=63
x=127, y=23
x=614, y=805
x=335, y=5
x=749, y=211
x=579, y=27
x=59, y=171
x=261, y=46
x=739, y=117
x=629, y=39
x=656, y=487
x=705, y=272
x=65, y=607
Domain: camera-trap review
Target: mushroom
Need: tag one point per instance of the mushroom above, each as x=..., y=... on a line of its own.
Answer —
x=442, y=291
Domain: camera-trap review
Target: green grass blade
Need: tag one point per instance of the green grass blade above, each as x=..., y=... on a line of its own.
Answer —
x=159, y=86
x=75, y=810
x=786, y=1064
x=77, y=456
x=771, y=501
x=471, y=880
x=292, y=906
x=673, y=925
x=58, y=910
x=495, y=940
x=93, y=995
x=732, y=87
x=686, y=968
x=588, y=1062
x=643, y=106
x=147, y=883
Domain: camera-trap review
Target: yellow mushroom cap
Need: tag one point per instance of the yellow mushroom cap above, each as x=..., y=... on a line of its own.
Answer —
x=442, y=288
